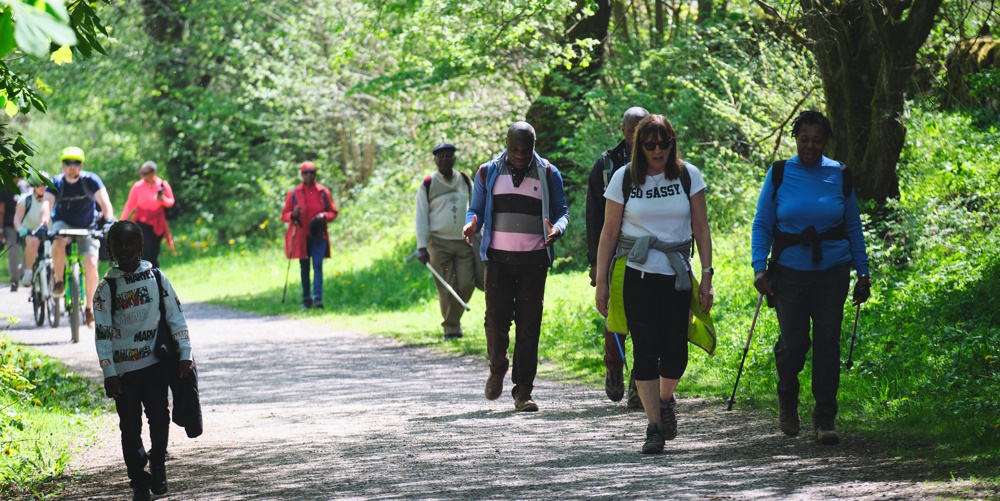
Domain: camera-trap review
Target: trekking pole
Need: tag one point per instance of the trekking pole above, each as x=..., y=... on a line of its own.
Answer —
x=850, y=354
x=441, y=280
x=732, y=398
x=620, y=350
x=289, y=267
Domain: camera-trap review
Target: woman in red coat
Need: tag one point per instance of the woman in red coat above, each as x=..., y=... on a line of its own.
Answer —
x=149, y=197
x=308, y=207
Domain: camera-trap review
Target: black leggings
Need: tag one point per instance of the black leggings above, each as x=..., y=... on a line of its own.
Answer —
x=150, y=244
x=657, y=319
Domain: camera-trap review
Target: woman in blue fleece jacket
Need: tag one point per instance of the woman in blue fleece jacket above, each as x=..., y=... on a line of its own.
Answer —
x=807, y=217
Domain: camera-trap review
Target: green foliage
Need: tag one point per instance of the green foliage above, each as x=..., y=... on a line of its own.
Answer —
x=36, y=28
x=45, y=412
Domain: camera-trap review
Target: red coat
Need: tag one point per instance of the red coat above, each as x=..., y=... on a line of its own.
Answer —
x=312, y=201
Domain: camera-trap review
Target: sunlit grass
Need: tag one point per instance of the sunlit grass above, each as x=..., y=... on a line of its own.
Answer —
x=46, y=413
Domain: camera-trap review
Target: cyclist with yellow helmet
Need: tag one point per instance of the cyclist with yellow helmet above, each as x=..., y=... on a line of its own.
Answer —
x=75, y=198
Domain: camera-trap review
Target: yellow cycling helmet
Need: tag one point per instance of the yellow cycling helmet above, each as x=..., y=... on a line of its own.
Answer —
x=72, y=153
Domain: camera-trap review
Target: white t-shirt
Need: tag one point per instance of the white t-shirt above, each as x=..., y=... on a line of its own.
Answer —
x=32, y=215
x=658, y=208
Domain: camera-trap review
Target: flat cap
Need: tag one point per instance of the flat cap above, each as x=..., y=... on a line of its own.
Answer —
x=443, y=147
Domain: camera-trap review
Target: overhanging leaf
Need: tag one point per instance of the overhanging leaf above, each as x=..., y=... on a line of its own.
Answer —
x=6, y=31
x=34, y=28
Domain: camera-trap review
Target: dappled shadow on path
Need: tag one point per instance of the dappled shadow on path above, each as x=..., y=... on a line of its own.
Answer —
x=296, y=411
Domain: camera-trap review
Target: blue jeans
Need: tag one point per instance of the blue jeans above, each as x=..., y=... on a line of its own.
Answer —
x=317, y=250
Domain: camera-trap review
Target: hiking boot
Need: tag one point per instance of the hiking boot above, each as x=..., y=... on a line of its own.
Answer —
x=634, y=402
x=159, y=478
x=141, y=494
x=88, y=315
x=307, y=303
x=494, y=387
x=668, y=418
x=524, y=403
x=654, y=439
x=614, y=385
x=788, y=415
x=318, y=304
x=825, y=434
x=59, y=289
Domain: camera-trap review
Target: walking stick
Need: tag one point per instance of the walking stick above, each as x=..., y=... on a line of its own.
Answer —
x=288, y=268
x=441, y=280
x=732, y=398
x=850, y=354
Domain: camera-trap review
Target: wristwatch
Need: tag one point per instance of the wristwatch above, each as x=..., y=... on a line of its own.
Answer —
x=709, y=270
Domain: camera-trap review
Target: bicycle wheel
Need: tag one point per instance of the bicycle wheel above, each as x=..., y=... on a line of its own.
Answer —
x=37, y=298
x=51, y=302
x=75, y=311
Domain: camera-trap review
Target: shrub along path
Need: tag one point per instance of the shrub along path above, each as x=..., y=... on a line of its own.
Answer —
x=300, y=410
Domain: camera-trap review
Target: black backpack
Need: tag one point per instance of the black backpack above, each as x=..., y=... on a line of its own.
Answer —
x=685, y=183
x=778, y=175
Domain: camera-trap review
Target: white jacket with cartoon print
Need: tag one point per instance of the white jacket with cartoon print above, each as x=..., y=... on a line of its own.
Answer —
x=125, y=343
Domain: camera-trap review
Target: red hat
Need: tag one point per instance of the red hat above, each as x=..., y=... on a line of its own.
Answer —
x=307, y=166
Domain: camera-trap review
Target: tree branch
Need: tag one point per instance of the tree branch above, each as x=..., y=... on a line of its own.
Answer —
x=782, y=23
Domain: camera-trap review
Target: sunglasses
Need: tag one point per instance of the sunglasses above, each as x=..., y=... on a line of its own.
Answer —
x=73, y=163
x=309, y=171
x=146, y=173
x=651, y=145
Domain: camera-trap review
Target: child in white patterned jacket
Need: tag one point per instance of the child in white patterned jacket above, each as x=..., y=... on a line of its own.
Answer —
x=126, y=335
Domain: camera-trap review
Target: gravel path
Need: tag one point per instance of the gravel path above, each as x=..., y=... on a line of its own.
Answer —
x=300, y=410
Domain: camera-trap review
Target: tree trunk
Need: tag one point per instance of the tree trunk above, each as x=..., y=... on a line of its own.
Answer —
x=705, y=8
x=659, y=23
x=621, y=20
x=165, y=24
x=865, y=59
x=561, y=104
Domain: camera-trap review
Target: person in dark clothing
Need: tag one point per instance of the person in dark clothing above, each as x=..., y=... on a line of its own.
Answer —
x=609, y=162
x=808, y=200
x=8, y=236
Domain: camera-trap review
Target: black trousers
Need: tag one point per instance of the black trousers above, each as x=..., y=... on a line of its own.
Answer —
x=801, y=297
x=657, y=316
x=150, y=244
x=143, y=388
x=514, y=293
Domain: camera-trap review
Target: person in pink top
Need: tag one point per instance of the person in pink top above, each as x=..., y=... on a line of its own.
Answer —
x=149, y=197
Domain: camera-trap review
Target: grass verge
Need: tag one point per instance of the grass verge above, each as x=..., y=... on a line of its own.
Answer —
x=46, y=414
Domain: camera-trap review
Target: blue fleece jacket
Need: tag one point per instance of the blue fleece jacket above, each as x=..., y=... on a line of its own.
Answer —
x=554, y=207
x=809, y=195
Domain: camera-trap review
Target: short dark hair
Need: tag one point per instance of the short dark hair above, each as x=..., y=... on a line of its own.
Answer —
x=121, y=231
x=812, y=117
x=649, y=127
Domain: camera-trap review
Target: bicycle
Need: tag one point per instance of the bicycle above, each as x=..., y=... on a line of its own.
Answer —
x=74, y=297
x=42, y=301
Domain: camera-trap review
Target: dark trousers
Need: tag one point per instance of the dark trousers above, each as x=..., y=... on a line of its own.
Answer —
x=613, y=361
x=514, y=293
x=317, y=250
x=150, y=244
x=801, y=296
x=143, y=388
x=657, y=316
